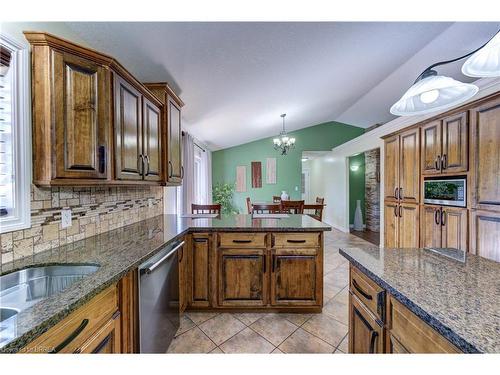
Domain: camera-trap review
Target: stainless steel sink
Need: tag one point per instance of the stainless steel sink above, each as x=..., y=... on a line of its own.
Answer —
x=21, y=289
x=6, y=313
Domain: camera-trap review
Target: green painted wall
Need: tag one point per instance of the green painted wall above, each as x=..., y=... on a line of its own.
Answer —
x=356, y=185
x=288, y=168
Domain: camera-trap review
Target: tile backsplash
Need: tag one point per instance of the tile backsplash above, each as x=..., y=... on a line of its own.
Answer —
x=94, y=210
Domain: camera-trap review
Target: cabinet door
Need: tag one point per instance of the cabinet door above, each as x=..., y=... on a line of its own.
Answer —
x=129, y=163
x=430, y=228
x=183, y=277
x=455, y=156
x=409, y=172
x=454, y=228
x=395, y=347
x=365, y=334
x=485, y=234
x=408, y=225
x=391, y=223
x=296, y=277
x=152, y=141
x=391, y=168
x=81, y=109
x=200, y=253
x=242, y=277
x=485, y=160
x=431, y=148
x=174, y=167
x=106, y=340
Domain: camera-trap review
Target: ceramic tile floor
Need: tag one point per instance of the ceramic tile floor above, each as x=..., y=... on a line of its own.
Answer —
x=208, y=332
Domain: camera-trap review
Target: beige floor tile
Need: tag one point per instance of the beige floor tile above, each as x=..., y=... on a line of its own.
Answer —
x=337, y=310
x=248, y=318
x=216, y=351
x=343, y=295
x=296, y=318
x=274, y=328
x=302, y=341
x=221, y=328
x=193, y=341
x=186, y=325
x=247, y=341
x=277, y=351
x=329, y=291
x=199, y=317
x=344, y=344
x=326, y=328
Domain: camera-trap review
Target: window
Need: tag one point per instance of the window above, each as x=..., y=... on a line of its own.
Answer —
x=199, y=194
x=15, y=156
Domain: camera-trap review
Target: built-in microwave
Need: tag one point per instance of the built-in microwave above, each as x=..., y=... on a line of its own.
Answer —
x=446, y=192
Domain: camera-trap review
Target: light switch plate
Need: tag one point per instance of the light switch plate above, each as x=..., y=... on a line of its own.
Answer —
x=65, y=218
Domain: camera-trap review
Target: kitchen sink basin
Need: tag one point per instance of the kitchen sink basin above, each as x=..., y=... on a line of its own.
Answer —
x=21, y=289
x=6, y=313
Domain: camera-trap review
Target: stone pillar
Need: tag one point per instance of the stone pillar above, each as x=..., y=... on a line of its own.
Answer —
x=372, y=190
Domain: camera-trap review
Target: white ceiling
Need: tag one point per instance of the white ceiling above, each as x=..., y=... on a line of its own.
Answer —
x=237, y=78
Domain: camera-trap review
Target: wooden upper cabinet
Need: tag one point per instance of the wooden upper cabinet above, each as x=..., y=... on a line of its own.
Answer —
x=455, y=155
x=485, y=234
x=175, y=170
x=391, y=168
x=431, y=148
x=409, y=173
x=366, y=335
x=485, y=155
x=152, y=127
x=129, y=160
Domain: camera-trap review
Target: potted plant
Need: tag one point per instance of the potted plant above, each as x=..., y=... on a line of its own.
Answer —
x=222, y=194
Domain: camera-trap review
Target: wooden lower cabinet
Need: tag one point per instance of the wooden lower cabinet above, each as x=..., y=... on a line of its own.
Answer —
x=242, y=277
x=366, y=334
x=443, y=227
x=199, y=256
x=391, y=224
x=401, y=227
x=106, y=340
x=485, y=234
x=296, y=277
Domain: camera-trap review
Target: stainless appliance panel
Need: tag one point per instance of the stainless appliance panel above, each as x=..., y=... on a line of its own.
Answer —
x=448, y=192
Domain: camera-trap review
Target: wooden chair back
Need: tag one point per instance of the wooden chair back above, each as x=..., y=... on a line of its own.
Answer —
x=320, y=200
x=205, y=209
x=276, y=199
x=318, y=211
x=265, y=208
x=249, y=205
x=292, y=207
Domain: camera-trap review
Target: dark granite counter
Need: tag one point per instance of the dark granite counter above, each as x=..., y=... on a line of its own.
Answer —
x=117, y=252
x=460, y=298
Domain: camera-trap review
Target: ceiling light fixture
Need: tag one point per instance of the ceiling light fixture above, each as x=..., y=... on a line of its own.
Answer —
x=283, y=142
x=486, y=61
x=432, y=92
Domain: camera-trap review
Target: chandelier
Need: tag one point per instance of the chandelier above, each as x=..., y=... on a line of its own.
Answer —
x=283, y=143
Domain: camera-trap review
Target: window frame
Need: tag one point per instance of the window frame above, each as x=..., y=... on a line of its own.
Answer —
x=21, y=118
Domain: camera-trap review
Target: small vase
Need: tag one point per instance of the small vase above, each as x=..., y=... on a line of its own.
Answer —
x=358, y=218
x=284, y=196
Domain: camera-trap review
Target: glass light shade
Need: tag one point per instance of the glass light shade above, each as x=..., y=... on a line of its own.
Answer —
x=292, y=141
x=485, y=62
x=431, y=94
x=354, y=168
x=276, y=141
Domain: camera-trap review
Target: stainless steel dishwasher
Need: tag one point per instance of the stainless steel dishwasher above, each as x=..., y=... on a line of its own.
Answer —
x=159, y=299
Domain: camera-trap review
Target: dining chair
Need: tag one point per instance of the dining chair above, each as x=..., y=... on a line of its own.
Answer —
x=292, y=207
x=205, y=209
x=249, y=205
x=276, y=199
x=320, y=200
x=318, y=211
x=258, y=208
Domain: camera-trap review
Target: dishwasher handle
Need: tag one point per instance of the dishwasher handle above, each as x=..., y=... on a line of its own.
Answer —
x=155, y=265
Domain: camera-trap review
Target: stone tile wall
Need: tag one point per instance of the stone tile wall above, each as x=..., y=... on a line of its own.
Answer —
x=94, y=210
x=372, y=190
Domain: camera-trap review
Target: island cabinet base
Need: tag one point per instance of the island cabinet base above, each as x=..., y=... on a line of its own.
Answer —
x=378, y=323
x=255, y=271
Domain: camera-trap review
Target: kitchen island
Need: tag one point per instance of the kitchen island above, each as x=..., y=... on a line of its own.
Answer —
x=230, y=263
x=418, y=300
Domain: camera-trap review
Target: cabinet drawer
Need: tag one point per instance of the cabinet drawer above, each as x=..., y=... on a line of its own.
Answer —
x=296, y=239
x=412, y=334
x=368, y=292
x=79, y=326
x=238, y=240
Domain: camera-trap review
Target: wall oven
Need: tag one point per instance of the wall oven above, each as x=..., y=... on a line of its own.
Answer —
x=446, y=192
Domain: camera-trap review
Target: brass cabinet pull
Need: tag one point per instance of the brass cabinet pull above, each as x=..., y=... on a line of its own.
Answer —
x=360, y=290
x=73, y=335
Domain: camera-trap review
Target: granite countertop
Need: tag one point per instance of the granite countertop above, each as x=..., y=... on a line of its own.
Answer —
x=119, y=251
x=458, y=298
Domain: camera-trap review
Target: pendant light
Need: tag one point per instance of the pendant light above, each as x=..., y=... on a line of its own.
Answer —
x=486, y=61
x=283, y=142
x=432, y=92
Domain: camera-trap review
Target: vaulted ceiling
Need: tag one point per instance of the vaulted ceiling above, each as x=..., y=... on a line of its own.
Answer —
x=237, y=78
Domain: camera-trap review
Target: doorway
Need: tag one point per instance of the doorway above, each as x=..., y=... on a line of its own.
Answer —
x=364, y=195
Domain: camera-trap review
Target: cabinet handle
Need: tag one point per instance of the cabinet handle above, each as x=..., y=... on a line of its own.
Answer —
x=444, y=162
x=360, y=290
x=400, y=193
x=200, y=239
x=182, y=172
x=102, y=159
x=242, y=241
x=396, y=193
x=147, y=160
x=182, y=254
x=372, y=341
x=170, y=169
x=141, y=165
x=443, y=216
x=71, y=337
x=396, y=210
x=436, y=217
x=437, y=162
x=400, y=211
x=296, y=241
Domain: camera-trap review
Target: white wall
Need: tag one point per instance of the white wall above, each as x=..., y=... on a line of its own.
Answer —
x=329, y=174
